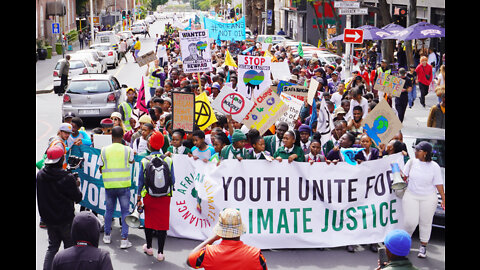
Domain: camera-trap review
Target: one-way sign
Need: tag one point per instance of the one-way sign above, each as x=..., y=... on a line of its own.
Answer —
x=353, y=36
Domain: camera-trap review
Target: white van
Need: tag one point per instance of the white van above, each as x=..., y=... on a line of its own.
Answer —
x=107, y=37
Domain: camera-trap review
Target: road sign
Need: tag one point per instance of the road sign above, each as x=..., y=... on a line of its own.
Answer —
x=353, y=36
x=353, y=11
x=55, y=28
x=346, y=4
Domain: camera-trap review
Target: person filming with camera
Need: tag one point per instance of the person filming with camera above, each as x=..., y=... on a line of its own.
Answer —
x=57, y=191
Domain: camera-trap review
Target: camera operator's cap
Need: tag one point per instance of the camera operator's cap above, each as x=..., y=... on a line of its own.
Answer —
x=229, y=224
x=66, y=127
x=398, y=242
x=54, y=153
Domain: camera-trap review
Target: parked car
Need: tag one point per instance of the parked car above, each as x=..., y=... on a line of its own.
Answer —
x=107, y=37
x=275, y=38
x=95, y=58
x=110, y=54
x=436, y=137
x=128, y=36
x=139, y=27
x=150, y=19
x=93, y=95
x=78, y=65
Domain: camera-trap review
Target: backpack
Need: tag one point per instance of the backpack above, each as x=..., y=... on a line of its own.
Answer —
x=158, y=179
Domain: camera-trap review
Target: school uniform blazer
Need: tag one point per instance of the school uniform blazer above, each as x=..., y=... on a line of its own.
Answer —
x=296, y=150
x=251, y=155
x=271, y=143
x=374, y=153
x=228, y=148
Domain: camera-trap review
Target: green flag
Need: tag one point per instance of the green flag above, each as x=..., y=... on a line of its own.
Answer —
x=300, y=49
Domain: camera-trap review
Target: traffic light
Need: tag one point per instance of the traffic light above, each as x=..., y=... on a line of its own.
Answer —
x=232, y=13
x=237, y=10
x=124, y=14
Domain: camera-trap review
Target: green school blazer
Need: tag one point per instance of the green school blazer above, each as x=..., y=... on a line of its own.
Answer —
x=228, y=148
x=284, y=155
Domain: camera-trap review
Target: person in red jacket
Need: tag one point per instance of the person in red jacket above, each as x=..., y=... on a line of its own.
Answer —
x=424, y=77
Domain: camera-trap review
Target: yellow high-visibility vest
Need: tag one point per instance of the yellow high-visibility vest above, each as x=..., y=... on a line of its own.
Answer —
x=116, y=168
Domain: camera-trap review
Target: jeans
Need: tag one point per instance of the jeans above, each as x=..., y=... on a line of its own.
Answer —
x=412, y=95
x=111, y=195
x=57, y=234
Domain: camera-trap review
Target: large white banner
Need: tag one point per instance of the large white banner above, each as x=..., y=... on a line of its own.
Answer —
x=284, y=205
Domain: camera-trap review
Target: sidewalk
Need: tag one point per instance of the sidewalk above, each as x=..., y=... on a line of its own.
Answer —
x=44, y=70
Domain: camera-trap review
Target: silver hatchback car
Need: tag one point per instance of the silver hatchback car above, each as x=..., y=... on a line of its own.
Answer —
x=93, y=95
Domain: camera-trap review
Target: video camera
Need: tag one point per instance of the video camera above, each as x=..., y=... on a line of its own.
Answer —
x=74, y=163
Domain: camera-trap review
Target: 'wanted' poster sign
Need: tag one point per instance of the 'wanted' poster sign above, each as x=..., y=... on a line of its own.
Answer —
x=195, y=50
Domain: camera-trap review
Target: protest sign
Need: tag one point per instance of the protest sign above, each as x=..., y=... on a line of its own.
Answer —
x=389, y=84
x=183, y=111
x=294, y=107
x=281, y=85
x=324, y=122
x=312, y=91
x=267, y=109
x=296, y=90
x=231, y=102
x=226, y=31
x=255, y=74
x=280, y=71
x=196, y=56
x=287, y=205
x=381, y=124
x=101, y=140
x=204, y=115
x=146, y=58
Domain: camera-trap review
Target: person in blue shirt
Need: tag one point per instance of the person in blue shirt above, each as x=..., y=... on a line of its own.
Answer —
x=201, y=150
x=78, y=136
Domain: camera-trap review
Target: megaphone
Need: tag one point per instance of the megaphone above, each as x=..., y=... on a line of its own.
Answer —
x=398, y=182
x=133, y=220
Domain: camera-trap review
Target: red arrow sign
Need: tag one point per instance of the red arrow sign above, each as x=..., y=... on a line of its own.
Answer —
x=353, y=36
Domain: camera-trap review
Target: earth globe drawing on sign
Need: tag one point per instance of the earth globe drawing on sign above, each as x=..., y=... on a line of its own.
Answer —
x=380, y=126
x=201, y=46
x=252, y=80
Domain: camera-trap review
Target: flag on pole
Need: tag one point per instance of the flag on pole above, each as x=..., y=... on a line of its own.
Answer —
x=204, y=115
x=300, y=49
x=325, y=122
x=229, y=60
x=141, y=103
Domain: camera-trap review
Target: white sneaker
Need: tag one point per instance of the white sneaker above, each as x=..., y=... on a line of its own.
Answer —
x=422, y=251
x=160, y=257
x=124, y=243
x=107, y=239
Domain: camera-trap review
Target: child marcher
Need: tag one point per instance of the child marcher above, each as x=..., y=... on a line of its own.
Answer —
x=289, y=150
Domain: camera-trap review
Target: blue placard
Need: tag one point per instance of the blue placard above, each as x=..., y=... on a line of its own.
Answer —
x=55, y=28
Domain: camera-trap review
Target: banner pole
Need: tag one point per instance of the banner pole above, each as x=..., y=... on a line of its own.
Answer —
x=199, y=83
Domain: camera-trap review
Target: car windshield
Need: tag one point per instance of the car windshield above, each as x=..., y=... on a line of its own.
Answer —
x=438, y=150
x=88, y=87
x=74, y=64
x=101, y=48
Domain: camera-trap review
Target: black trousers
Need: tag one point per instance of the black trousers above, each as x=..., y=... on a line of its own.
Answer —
x=161, y=236
x=401, y=105
x=423, y=92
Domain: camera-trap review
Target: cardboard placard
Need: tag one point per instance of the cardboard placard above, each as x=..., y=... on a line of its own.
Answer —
x=266, y=111
x=294, y=107
x=231, y=102
x=389, y=84
x=254, y=75
x=381, y=124
x=146, y=58
x=183, y=111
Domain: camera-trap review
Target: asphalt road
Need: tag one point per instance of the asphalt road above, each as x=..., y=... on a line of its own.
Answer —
x=48, y=117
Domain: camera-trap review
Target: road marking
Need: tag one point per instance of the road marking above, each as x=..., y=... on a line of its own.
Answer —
x=46, y=132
